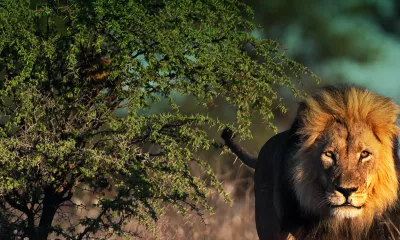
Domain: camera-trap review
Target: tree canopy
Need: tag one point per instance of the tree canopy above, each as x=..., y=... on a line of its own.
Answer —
x=67, y=67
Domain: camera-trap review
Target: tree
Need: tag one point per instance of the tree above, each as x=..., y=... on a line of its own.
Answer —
x=68, y=66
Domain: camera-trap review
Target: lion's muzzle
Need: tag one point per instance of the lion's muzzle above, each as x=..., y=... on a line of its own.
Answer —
x=346, y=202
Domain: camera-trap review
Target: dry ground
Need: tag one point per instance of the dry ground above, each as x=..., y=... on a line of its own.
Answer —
x=227, y=223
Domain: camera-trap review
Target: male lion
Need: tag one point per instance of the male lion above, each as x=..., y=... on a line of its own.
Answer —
x=334, y=173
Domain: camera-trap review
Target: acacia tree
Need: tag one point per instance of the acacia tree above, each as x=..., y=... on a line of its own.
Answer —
x=68, y=66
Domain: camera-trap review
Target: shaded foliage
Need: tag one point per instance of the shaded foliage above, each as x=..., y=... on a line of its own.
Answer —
x=68, y=66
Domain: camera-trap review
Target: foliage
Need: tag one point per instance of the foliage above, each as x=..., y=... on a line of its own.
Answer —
x=68, y=66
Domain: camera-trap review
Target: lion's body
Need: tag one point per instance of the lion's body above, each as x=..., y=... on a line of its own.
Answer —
x=276, y=211
x=333, y=174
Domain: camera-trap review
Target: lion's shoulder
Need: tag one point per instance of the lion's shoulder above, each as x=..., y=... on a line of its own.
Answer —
x=272, y=157
x=275, y=201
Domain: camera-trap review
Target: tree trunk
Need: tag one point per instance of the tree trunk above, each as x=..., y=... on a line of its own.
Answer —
x=51, y=203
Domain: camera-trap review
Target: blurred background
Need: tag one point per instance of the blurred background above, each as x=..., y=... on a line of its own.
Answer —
x=342, y=41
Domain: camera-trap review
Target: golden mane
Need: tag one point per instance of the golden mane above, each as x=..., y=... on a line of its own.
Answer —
x=350, y=105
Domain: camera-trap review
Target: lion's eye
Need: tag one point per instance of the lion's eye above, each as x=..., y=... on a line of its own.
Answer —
x=328, y=159
x=329, y=154
x=364, y=154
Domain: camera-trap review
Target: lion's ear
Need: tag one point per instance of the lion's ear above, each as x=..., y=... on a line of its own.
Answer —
x=384, y=119
x=311, y=120
x=301, y=108
x=301, y=111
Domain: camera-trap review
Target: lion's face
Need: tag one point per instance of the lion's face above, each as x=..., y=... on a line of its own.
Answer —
x=347, y=172
x=346, y=159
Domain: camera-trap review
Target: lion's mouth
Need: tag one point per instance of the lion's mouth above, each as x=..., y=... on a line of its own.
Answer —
x=346, y=205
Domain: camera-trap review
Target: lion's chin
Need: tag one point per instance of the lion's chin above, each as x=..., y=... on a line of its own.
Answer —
x=345, y=212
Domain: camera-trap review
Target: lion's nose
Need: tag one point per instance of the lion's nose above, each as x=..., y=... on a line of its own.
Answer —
x=345, y=191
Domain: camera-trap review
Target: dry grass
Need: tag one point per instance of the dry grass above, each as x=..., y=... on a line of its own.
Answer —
x=228, y=222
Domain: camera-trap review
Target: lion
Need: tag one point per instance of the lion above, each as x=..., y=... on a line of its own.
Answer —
x=334, y=173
